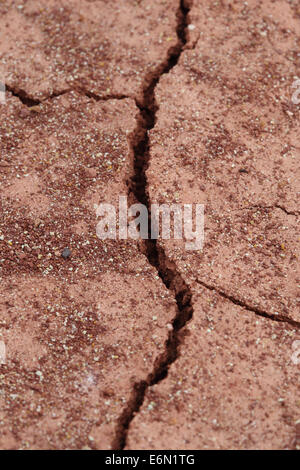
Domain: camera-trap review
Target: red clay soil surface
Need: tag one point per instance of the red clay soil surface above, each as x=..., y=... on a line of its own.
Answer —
x=145, y=345
x=108, y=48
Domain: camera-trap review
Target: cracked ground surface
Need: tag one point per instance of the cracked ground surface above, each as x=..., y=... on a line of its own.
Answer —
x=132, y=344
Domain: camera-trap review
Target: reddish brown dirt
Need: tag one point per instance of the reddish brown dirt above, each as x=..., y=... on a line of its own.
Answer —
x=78, y=332
x=234, y=385
x=104, y=48
x=227, y=135
x=147, y=345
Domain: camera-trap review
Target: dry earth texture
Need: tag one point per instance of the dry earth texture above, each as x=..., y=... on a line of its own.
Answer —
x=140, y=344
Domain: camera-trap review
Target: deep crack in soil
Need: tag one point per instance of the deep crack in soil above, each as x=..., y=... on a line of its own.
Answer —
x=137, y=188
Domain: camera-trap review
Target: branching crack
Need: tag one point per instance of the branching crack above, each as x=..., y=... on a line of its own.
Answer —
x=30, y=102
x=138, y=190
x=275, y=206
x=96, y=97
x=277, y=318
x=23, y=96
x=295, y=213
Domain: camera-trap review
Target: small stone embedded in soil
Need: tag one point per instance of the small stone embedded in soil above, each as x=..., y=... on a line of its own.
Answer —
x=35, y=109
x=37, y=223
x=66, y=253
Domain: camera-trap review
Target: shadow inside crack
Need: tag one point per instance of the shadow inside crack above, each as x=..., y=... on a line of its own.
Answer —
x=167, y=271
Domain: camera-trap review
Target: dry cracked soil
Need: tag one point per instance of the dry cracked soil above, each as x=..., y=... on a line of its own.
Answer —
x=133, y=343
